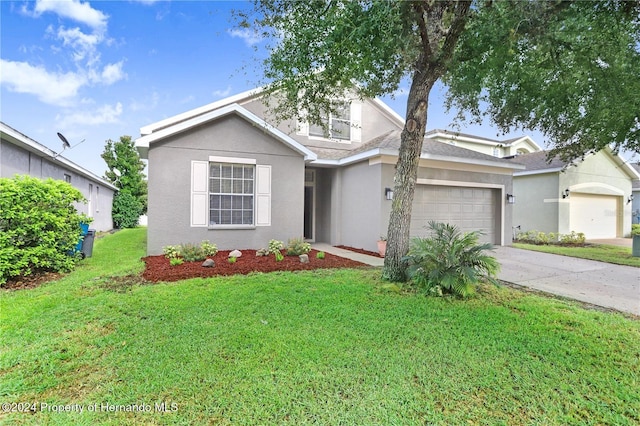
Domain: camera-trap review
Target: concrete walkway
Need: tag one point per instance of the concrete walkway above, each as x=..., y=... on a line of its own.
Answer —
x=622, y=242
x=348, y=254
x=598, y=283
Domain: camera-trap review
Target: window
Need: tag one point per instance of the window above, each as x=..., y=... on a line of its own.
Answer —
x=231, y=194
x=338, y=123
x=67, y=178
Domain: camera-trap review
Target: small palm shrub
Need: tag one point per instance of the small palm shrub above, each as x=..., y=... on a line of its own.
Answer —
x=450, y=261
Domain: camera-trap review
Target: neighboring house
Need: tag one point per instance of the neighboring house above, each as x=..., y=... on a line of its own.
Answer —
x=222, y=173
x=494, y=147
x=592, y=195
x=20, y=154
x=635, y=204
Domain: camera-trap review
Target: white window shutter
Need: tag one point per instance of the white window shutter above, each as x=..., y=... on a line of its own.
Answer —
x=199, y=193
x=356, y=121
x=263, y=195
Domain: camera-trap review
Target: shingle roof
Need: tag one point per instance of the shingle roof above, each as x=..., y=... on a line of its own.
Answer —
x=538, y=161
x=390, y=141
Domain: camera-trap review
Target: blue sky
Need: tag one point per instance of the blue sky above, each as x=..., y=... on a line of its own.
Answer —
x=97, y=70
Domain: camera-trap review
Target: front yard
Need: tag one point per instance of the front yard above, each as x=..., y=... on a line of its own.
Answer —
x=322, y=347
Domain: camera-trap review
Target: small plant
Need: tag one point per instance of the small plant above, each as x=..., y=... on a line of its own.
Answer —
x=275, y=246
x=175, y=261
x=279, y=256
x=208, y=249
x=450, y=261
x=171, y=252
x=320, y=255
x=635, y=229
x=192, y=252
x=232, y=259
x=297, y=246
x=574, y=238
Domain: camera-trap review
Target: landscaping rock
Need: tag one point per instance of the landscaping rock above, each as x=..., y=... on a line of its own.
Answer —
x=235, y=253
x=209, y=263
x=304, y=258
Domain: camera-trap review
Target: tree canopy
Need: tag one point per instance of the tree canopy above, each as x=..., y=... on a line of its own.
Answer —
x=567, y=69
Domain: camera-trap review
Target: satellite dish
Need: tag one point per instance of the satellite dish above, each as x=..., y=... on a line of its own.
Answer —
x=65, y=142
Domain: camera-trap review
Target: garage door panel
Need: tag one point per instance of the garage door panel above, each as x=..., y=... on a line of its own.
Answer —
x=470, y=209
x=594, y=215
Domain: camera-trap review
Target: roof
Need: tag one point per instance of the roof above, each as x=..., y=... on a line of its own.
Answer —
x=13, y=136
x=536, y=162
x=142, y=143
x=389, y=144
x=466, y=137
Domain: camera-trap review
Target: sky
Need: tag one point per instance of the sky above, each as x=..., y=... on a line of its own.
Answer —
x=97, y=70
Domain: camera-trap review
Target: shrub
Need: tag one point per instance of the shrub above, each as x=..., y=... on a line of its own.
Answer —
x=297, y=246
x=450, y=261
x=175, y=261
x=192, y=252
x=171, y=252
x=635, y=229
x=320, y=255
x=126, y=210
x=39, y=225
x=208, y=248
x=275, y=246
x=572, y=238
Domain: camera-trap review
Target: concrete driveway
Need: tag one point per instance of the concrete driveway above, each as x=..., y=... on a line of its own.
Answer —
x=598, y=283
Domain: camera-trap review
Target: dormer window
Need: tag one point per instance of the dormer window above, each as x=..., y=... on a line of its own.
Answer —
x=338, y=124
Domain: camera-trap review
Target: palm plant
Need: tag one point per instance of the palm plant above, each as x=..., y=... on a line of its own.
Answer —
x=450, y=261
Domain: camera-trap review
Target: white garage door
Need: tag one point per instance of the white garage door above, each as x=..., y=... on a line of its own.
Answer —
x=470, y=209
x=594, y=215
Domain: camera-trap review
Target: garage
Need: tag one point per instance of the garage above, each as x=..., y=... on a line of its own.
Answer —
x=470, y=209
x=594, y=215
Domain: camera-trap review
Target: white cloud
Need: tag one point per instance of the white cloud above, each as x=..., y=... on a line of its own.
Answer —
x=112, y=73
x=250, y=37
x=50, y=87
x=222, y=93
x=145, y=104
x=74, y=9
x=107, y=114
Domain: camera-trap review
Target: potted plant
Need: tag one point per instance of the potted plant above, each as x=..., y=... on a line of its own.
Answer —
x=382, y=245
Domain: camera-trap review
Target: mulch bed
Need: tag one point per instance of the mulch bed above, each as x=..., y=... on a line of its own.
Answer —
x=158, y=267
x=30, y=281
x=362, y=251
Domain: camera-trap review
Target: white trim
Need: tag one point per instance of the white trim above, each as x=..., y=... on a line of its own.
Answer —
x=235, y=160
x=262, y=202
x=579, y=186
x=457, y=183
x=199, y=203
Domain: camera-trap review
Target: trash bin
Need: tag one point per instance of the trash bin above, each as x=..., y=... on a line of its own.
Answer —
x=78, y=247
x=87, y=243
x=635, y=246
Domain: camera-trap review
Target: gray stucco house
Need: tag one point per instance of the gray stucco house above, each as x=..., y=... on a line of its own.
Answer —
x=635, y=202
x=19, y=154
x=223, y=173
x=592, y=195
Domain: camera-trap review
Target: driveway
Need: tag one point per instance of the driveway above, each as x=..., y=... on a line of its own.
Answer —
x=598, y=283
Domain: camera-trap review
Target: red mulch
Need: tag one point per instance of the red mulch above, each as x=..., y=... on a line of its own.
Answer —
x=158, y=267
x=362, y=251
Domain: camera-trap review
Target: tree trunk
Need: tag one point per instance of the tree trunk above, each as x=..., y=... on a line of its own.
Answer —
x=406, y=175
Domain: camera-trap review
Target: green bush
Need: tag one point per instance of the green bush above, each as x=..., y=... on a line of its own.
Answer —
x=540, y=238
x=39, y=225
x=577, y=238
x=191, y=252
x=450, y=261
x=126, y=210
x=209, y=249
x=635, y=229
x=175, y=261
x=297, y=246
x=275, y=246
x=320, y=255
x=171, y=252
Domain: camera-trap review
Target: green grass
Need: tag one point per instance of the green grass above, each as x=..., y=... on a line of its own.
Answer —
x=322, y=347
x=602, y=252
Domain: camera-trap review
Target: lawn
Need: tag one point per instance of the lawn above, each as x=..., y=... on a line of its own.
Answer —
x=602, y=252
x=314, y=347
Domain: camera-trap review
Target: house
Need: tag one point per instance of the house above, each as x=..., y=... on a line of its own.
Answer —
x=224, y=173
x=590, y=195
x=494, y=147
x=19, y=154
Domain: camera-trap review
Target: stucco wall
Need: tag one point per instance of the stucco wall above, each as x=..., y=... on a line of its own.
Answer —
x=16, y=160
x=537, y=202
x=169, y=185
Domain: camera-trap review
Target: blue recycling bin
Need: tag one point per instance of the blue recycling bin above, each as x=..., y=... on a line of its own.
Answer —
x=85, y=231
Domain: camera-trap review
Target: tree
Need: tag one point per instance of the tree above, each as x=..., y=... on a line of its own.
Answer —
x=125, y=172
x=319, y=49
